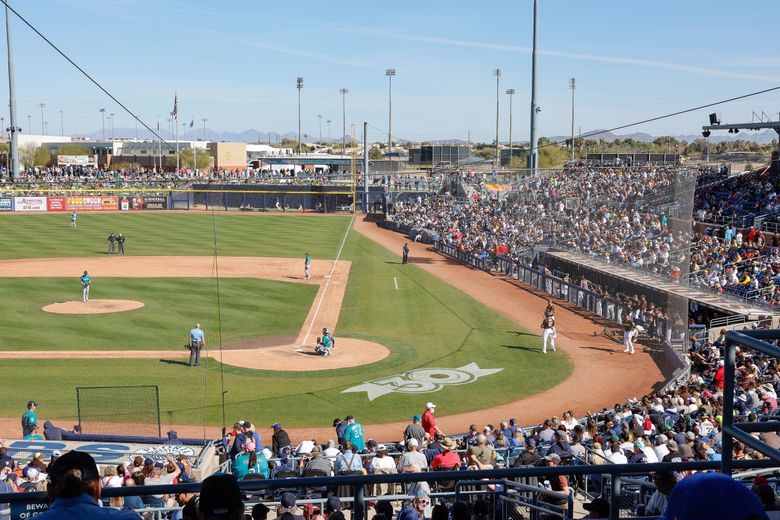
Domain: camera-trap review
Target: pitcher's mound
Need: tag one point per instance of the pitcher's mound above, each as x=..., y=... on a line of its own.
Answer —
x=92, y=307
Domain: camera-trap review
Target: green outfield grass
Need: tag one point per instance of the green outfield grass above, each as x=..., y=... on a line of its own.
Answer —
x=250, y=308
x=425, y=322
x=172, y=233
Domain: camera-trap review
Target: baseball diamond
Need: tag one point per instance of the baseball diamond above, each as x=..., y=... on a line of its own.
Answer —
x=270, y=316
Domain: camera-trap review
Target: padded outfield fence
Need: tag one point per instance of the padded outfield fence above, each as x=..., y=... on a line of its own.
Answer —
x=247, y=197
x=119, y=409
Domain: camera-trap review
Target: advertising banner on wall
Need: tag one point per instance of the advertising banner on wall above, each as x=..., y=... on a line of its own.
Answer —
x=155, y=202
x=29, y=203
x=57, y=203
x=93, y=203
x=6, y=204
x=136, y=203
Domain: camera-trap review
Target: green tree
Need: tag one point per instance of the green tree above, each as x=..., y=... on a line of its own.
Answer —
x=42, y=156
x=375, y=154
x=27, y=155
x=202, y=159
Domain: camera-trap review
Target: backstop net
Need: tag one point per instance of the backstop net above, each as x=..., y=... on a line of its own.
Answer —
x=119, y=410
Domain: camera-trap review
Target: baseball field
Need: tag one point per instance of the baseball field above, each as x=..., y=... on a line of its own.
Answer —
x=403, y=335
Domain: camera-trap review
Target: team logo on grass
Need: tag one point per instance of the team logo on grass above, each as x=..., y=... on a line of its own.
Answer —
x=422, y=380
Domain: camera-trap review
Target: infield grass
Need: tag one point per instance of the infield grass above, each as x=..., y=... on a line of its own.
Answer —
x=425, y=322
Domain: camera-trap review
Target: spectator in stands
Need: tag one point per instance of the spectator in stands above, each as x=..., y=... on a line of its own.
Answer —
x=354, y=434
x=664, y=482
x=561, y=445
x=133, y=501
x=220, y=499
x=447, y=459
x=280, y=439
x=713, y=495
x=287, y=505
x=412, y=456
x=559, y=483
x=53, y=433
x=161, y=477
x=315, y=462
x=250, y=462
x=414, y=430
x=480, y=456
x=597, y=508
x=616, y=455
x=528, y=457
x=74, y=490
x=349, y=462
x=429, y=421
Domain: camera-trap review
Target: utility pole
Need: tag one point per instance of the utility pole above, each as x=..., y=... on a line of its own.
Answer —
x=510, y=92
x=319, y=116
x=572, y=86
x=103, y=114
x=344, y=93
x=43, y=127
x=13, y=128
x=533, y=159
x=328, y=121
x=390, y=73
x=299, y=85
x=497, y=74
x=365, y=167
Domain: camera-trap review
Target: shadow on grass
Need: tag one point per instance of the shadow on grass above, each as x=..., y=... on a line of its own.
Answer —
x=174, y=362
x=520, y=347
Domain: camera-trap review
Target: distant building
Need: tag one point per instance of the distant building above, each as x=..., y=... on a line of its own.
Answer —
x=229, y=156
x=432, y=155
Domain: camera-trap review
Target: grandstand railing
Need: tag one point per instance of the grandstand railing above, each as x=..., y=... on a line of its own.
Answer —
x=614, y=472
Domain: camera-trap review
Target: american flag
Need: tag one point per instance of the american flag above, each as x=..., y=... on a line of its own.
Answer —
x=175, y=113
x=192, y=123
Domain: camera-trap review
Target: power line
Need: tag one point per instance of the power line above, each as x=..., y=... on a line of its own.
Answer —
x=85, y=73
x=672, y=114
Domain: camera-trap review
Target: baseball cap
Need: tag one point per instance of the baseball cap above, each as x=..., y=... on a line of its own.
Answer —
x=30, y=472
x=598, y=505
x=712, y=495
x=74, y=460
x=333, y=504
x=512, y=420
x=672, y=445
x=381, y=447
x=288, y=500
x=553, y=457
x=348, y=417
x=421, y=493
x=416, y=418
x=430, y=405
x=32, y=403
x=690, y=436
x=220, y=495
x=276, y=426
x=148, y=462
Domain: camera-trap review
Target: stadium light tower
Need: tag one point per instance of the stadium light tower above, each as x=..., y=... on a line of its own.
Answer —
x=319, y=116
x=328, y=121
x=299, y=85
x=390, y=73
x=204, y=119
x=573, y=87
x=533, y=159
x=344, y=92
x=497, y=74
x=103, y=113
x=43, y=126
x=510, y=92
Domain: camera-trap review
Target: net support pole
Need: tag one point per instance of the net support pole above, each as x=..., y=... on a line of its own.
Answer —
x=365, y=167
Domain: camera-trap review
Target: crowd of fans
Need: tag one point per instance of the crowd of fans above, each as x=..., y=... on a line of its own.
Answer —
x=603, y=213
x=746, y=195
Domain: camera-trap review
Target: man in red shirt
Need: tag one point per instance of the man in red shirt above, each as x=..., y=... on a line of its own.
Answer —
x=429, y=421
x=447, y=459
x=719, y=374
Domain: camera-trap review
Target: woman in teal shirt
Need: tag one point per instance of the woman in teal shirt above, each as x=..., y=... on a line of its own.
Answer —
x=250, y=462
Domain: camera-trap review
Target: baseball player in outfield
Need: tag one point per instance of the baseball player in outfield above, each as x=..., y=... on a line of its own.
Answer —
x=73, y=217
x=307, y=267
x=86, y=281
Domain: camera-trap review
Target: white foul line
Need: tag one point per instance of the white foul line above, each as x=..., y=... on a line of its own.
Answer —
x=327, y=282
x=395, y=281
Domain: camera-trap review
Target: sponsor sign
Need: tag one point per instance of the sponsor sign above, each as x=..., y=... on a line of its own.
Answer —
x=57, y=203
x=103, y=453
x=29, y=203
x=124, y=204
x=93, y=203
x=422, y=380
x=28, y=508
x=6, y=204
x=77, y=160
x=136, y=203
x=155, y=202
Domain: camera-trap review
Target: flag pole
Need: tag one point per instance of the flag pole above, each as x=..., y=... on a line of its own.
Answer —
x=159, y=142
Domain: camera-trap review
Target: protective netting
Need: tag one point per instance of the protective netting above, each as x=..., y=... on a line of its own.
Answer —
x=119, y=410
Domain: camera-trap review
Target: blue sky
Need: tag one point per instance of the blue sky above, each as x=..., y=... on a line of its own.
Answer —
x=235, y=62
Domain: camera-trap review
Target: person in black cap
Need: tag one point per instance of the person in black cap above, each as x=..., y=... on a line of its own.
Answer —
x=29, y=419
x=260, y=511
x=74, y=490
x=598, y=508
x=220, y=498
x=287, y=505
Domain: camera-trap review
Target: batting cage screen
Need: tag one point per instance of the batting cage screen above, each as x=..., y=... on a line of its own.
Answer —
x=127, y=410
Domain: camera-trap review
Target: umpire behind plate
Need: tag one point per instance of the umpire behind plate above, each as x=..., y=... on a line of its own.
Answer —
x=196, y=344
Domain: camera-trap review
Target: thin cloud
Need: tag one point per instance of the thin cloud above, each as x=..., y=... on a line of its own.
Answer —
x=325, y=58
x=687, y=69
